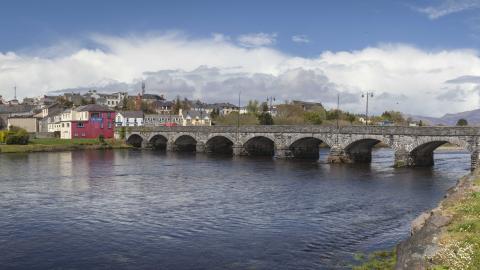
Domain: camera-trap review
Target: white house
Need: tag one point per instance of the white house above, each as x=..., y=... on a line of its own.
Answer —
x=130, y=119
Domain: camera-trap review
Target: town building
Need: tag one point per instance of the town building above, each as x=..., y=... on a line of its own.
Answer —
x=162, y=106
x=29, y=123
x=129, y=119
x=195, y=118
x=157, y=120
x=7, y=111
x=89, y=121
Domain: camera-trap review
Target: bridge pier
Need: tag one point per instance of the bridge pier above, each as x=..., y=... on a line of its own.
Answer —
x=145, y=144
x=200, y=147
x=337, y=155
x=239, y=150
x=283, y=152
x=474, y=159
x=170, y=146
x=402, y=158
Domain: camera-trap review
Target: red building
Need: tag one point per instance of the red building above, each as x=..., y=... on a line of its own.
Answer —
x=93, y=120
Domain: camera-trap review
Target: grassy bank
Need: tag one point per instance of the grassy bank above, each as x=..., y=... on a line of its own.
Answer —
x=459, y=242
x=52, y=145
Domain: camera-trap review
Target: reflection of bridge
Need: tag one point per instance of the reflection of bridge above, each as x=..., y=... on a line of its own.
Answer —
x=413, y=146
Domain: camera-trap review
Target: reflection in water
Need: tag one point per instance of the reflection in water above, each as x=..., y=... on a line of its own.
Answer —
x=144, y=210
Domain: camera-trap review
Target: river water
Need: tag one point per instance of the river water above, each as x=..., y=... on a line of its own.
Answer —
x=131, y=209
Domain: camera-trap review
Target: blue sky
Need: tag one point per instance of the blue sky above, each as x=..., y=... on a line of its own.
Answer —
x=406, y=52
x=328, y=25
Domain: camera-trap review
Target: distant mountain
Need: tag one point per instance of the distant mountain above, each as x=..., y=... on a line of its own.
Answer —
x=450, y=119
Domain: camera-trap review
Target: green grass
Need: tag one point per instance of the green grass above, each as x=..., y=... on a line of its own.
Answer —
x=460, y=243
x=379, y=260
x=53, y=144
x=54, y=141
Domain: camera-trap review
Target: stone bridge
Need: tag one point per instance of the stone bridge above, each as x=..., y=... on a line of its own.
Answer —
x=413, y=146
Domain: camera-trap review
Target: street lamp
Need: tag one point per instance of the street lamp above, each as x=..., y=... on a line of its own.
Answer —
x=271, y=99
x=367, y=95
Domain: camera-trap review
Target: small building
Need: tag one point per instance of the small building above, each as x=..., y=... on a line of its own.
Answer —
x=157, y=120
x=129, y=119
x=163, y=107
x=89, y=122
x=195, y=118
x=29, y=123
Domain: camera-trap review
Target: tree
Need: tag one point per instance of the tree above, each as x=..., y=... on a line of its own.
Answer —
x=265, y=119
x=314, y=118
x=264, y=107
x=351, y=118
x=462, y=122
x=252, y=106
x=215, y=113
x=177, y=105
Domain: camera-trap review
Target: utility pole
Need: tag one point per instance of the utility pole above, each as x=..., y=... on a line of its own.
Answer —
x=367, y=95
x=338, y=116
x=238, y=117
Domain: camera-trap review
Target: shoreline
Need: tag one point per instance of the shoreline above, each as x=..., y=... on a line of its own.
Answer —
x=61, y=146
x=440, y=235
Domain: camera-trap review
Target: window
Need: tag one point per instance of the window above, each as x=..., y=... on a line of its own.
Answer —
x=76, y=134
x=101, y=125
x=83, y=134
x=109, y=115
x=80, y=125
x=109, y=125
x=68, y=124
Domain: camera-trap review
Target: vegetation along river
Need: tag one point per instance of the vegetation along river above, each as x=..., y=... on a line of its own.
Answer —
x=131, y=209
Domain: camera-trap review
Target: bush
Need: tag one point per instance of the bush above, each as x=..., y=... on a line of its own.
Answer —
x=17, y=136
x=56, y=134
x=3, y=135
x=101, y=139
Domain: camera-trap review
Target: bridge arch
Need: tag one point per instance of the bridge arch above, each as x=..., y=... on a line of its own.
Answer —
x=158, y=142
x=185, y=143
x=306, y=147
x=219, y=144
x=422, y=151
x=135, y=140
x=358, y=149
x=260, y=146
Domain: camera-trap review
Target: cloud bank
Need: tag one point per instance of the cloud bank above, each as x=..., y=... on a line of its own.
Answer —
x=216, y=68
x=447, y=7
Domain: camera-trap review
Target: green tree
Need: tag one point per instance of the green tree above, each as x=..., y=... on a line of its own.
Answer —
x=265, y=119
x=351, y=118
x=462, y=122
x=215, y=113
x=177, y=105
x=314, y=118
x=252, y=106
x=264, y=107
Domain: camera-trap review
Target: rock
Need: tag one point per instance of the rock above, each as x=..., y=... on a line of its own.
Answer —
x=419, y=222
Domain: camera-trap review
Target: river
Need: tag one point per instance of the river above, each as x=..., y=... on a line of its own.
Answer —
x=132, y=209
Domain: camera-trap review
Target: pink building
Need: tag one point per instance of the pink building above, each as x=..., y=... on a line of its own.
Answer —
x=89, y=122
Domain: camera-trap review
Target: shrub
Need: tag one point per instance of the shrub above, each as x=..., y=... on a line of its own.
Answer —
x=56, y=134
x=101, y=139
x=123, y=133
x=17, y=136
x=3, y=135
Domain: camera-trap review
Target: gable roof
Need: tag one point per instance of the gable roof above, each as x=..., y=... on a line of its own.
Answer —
x=132, y=114
x=93, y=108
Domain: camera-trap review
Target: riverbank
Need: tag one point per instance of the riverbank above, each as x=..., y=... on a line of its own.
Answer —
x=447, y=237
x=56, y=145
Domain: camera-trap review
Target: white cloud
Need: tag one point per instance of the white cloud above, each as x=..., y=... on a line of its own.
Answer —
x=216, y=69
x=257, y=39
x=446, y=7
x=300, y=39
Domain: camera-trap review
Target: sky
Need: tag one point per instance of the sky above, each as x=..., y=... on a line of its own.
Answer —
x=418, y=57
